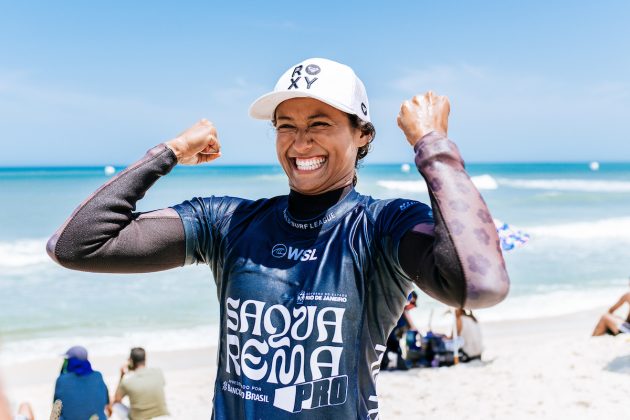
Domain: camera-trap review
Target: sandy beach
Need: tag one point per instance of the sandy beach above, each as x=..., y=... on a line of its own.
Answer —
x=545, y=368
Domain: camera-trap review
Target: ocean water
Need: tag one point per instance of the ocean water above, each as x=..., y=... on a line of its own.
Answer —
x=578, y=256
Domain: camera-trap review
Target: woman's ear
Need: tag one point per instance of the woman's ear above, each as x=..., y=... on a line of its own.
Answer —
x=361, y=138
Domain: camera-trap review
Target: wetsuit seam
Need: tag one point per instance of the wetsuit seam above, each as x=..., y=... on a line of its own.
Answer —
x=81, y=207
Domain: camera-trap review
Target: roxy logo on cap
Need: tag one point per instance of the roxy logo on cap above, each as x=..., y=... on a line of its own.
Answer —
x=313, y=69
x=298, y=80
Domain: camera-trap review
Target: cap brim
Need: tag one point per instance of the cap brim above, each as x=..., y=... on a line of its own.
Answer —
x=264, y=107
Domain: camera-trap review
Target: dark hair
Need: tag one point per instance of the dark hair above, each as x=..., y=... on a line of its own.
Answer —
x=367, y=129
x=466, y=312
x=469, y=313
x=137, y=356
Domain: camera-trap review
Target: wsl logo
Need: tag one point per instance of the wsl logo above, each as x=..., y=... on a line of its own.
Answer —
x=295, y=254
x=279, y=250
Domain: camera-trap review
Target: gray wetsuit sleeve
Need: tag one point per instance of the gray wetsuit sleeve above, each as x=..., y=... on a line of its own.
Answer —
x=458, y=260
x=105, y=235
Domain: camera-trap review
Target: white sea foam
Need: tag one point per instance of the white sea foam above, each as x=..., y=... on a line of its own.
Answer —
x=613, y=228
x=482, y=182
x=13, y=352
x=23, y=253
x=584, y=185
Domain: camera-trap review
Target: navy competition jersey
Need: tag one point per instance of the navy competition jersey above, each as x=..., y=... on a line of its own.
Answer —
x=306, y=306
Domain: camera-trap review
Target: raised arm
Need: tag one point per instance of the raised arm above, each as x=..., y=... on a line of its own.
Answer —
x=105, y=235
x=623, y=299
x=457, y=260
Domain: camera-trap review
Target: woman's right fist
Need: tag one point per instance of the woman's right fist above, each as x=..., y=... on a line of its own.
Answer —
x=197, y=144
x=422, y=115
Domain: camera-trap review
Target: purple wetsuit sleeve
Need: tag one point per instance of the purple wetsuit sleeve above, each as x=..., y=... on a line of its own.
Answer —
x=458, y=260
x=105, y=235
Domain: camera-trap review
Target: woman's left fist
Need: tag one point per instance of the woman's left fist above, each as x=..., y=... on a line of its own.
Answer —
x=422, y=115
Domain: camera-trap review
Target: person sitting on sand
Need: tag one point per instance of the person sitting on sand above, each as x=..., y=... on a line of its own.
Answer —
x=81, y=389
x=609, y=323
x=405, y=323
x=4, y=407
x=468, y=329
x=25, y=412
x=145, y=388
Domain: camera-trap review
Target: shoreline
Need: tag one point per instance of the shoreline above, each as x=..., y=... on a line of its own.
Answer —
x=526, y=362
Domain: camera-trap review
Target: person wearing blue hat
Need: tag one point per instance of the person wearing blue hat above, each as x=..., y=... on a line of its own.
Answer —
x=312, y=282
x=81, y=389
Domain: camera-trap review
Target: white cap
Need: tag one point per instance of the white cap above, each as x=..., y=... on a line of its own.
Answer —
x=318, y=78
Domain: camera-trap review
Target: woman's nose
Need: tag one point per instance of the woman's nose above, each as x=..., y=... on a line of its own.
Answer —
x=302, y=142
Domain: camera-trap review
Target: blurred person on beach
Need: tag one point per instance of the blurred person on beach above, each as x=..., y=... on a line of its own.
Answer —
x=25, y=412
x=145, y=388
x=311, y=283
x=611, y=323
x=469, y=330
x=405, y=324
x=81, y=389
x=5, y=413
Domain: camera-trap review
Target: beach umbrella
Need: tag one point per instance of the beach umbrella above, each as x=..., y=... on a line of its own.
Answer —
x=510, y=236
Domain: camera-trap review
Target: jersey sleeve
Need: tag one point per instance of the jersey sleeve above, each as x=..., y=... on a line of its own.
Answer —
x=205, y=221
x=395, y=219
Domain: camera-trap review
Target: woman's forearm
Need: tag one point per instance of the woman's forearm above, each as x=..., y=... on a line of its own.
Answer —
x=104, y=234
x=463, y=264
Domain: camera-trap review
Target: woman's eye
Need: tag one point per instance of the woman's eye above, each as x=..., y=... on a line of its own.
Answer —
x=320, y=124
x=285, y=127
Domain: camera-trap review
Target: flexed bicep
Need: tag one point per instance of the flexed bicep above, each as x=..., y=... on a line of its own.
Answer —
x=105, y=235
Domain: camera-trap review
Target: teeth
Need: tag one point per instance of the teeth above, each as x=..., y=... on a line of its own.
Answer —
x=310, y=164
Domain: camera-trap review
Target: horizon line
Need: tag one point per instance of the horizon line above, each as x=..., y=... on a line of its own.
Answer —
x=228, y=165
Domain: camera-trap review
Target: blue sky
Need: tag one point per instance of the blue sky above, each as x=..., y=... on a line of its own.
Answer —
x=87, y=83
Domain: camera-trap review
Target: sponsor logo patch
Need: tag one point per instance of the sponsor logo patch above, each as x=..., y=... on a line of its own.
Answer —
x=295, y=254
x=279, y=250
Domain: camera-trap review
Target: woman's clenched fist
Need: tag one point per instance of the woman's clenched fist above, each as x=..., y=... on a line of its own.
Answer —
x=197, y=144
x=422, y=115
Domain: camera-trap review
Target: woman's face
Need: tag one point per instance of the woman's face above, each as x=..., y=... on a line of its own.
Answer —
x=316, y=145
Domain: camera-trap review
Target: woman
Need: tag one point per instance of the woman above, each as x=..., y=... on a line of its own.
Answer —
x=469, y=330
x=310, y=284
x=609, y=323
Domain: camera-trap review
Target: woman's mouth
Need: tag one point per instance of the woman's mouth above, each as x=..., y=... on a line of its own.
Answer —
x=310, y=164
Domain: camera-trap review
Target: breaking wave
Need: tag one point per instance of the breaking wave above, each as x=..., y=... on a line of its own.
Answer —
x=614, y=228
x=23, y=253
x=482, y=182
x=566, y=185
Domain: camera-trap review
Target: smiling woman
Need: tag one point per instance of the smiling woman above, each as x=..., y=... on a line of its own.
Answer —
x=316, y=145
x=310, y=283
x=285, y=126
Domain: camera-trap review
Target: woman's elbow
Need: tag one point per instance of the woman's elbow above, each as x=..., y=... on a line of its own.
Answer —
x=51, y=248
x=488, y=293
x=64, y=253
